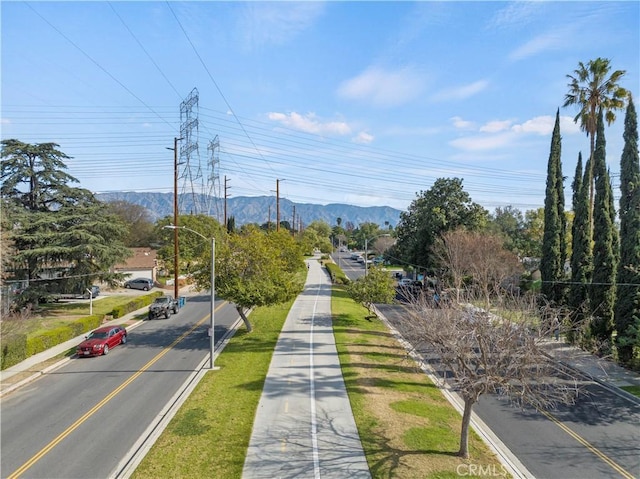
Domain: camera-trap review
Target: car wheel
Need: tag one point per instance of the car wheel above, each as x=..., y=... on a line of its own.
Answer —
x=124, y=339
x=146, y=288
x=127, y=286
x=175, y=310
x=105, y=350
x=166, y=314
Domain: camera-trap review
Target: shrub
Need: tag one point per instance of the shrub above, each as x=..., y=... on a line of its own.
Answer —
x=136, y=303
x=337, y=275
x=14, y=350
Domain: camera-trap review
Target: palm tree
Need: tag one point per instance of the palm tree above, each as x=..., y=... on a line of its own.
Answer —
x=590, y=89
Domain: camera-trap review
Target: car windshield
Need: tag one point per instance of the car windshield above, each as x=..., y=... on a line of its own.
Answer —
x=162, y=300
x=98, y=335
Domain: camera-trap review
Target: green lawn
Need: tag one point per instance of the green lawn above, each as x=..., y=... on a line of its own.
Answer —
x=408, y=429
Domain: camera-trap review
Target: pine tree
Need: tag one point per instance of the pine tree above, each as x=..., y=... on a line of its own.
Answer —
x=553, y=247
x=602, y=295
x=581, y=259
x=627, y=311
x=56, y=227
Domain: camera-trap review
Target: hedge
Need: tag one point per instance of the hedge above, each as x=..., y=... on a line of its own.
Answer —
x=134, y=304
x=336, y=273
x=17, y=348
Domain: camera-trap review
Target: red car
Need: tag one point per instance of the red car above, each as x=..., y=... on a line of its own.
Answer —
x=102, y=340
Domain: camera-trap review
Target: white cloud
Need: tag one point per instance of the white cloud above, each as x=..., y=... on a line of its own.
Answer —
x=462, y=124
x=495, y=126
x=277, y=22
x=503, y=133
x=515, y=14
x=310, y=124
x=539, y=44
x=5, y=121
x=543, y=125
x=363, y=138
x=384, y=88
x=461, y=92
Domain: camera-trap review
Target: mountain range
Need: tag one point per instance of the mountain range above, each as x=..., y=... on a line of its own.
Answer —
x=257, y=209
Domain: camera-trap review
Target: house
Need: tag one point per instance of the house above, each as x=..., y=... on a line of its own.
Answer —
x=143, y=264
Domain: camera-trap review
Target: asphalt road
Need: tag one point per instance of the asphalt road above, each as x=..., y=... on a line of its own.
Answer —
x=81, y=420
x=598, y=437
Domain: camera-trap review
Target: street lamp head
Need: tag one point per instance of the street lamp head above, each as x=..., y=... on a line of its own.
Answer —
x=170, y=227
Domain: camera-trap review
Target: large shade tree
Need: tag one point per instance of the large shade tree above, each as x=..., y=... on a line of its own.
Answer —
x=56, y=228
x=254, y=268
x=445, y=207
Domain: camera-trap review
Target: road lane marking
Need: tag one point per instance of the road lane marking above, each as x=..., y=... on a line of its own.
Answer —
x=312, y=392
x=619, y=469
x=27, y=465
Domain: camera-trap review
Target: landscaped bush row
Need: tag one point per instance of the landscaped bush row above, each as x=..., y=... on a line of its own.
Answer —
x=136, y=303
x=336, y=273
x=53, y=337
x=19, y=347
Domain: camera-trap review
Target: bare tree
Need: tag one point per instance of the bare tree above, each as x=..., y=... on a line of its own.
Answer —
x=479, y=256
x=479, y=353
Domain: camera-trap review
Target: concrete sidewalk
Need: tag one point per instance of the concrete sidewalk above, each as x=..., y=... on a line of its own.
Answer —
x=599, y=369
x=304, y=425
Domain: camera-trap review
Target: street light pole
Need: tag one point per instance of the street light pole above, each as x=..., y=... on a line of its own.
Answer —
x=212, y=323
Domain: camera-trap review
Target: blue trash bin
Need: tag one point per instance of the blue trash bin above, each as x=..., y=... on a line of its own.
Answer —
x=181, y=301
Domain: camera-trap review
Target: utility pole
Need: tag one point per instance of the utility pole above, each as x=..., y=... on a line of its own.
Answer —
x=175, y=216
x=293, y=222
x=225, y=200
x=277, y=205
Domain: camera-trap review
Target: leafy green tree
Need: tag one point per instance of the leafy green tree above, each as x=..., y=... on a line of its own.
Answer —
x=591, y=89
x=138, y=221
x=231, y=224
x=56, y=227
x=605, y=241
x=254, y=268
x=509, y=223
x=533, y=232
x=33, y=176
x=376, y=287
x=553, y=242
x=192, y=249
x=445, y=207
x=581, y=256
x=627, y=310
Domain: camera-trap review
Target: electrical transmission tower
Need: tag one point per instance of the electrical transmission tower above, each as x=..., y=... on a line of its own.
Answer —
x=190, y=172
x=212, y=197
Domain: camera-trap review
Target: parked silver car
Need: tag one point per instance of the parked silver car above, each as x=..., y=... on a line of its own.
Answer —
x=145, y=284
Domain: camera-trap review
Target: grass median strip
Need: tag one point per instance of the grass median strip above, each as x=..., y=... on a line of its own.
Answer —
x=408, y=430
x=210, y=434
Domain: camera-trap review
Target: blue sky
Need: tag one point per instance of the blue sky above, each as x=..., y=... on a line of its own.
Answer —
x=365, y=103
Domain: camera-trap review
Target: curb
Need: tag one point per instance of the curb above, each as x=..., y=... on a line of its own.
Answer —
x=508, y=460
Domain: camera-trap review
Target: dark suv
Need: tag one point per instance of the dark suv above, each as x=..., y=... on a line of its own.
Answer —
x=163, y=306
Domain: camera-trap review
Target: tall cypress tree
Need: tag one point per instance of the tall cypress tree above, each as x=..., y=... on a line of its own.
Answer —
x=602, y=295
x=581, y=259
x=553, y=249
x=627, y=311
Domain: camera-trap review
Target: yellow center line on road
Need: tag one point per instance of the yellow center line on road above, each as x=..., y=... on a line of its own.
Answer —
x=104, y=401
x=619, y=469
